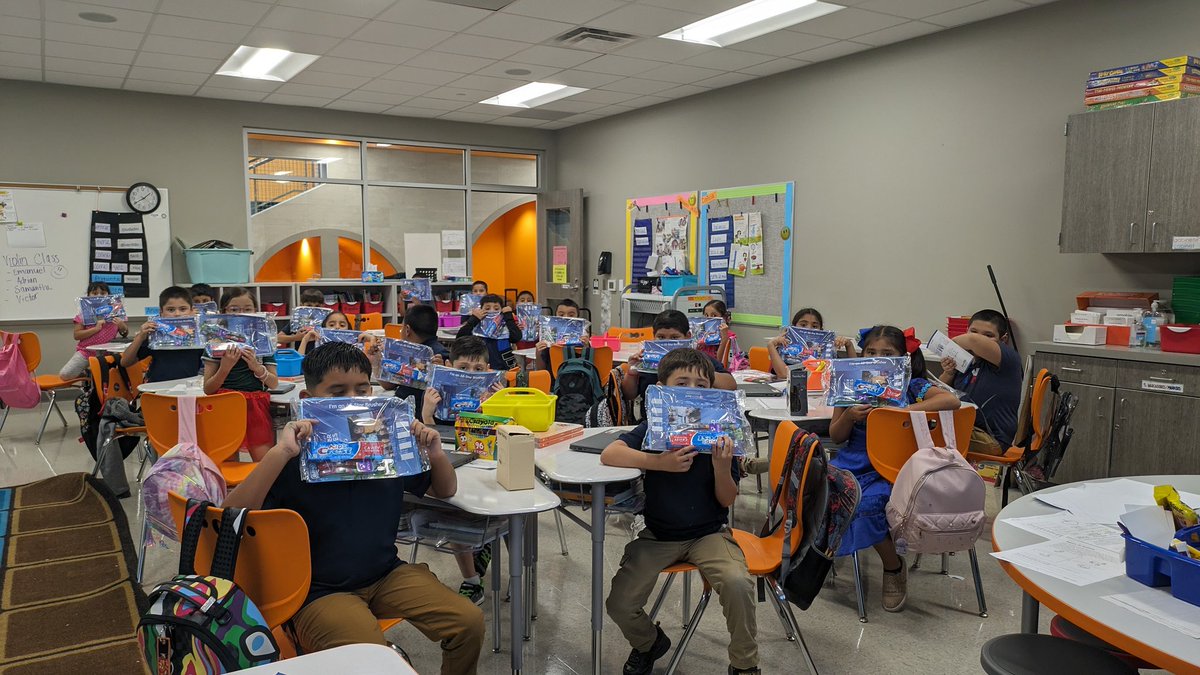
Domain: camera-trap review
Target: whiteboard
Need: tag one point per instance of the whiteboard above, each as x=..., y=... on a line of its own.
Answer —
x=40, y=282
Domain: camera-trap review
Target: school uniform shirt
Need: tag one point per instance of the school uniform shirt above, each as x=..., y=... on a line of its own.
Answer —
x=240, y=378
x=997, y=392
x=170, y=364
x=352, y=525
x=499, y=351
x=681, y=506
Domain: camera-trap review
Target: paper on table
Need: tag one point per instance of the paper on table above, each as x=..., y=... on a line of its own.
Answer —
x=1071, y=561
x=25, y=235
x=1105, y=502
x=1062, y=525
x=943, y=346
x=1160, y=606
x=1151, y=524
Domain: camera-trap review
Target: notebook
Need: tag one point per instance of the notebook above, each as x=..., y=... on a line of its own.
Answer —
x=759, y=389
x=458, y=459
x=596, y=443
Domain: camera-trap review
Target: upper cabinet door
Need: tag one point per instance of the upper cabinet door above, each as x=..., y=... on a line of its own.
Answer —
x=1174, y=196
x=1104, y=189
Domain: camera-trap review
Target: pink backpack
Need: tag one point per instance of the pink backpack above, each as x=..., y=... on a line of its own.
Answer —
x=185, y=470
x=17, y=388
x=937, y=500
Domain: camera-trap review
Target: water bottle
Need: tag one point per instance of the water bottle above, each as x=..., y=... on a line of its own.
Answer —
x=1151, y=321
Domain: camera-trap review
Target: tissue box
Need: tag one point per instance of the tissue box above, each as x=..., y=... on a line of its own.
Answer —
x=514, y=457
x=1114, y=320
x=372, y=277
x=1086, y=316
x=1080, y=335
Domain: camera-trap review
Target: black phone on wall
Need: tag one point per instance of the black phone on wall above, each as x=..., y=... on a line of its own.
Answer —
x=604, y=266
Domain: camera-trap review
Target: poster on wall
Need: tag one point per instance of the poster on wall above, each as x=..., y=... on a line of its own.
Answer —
x=117, y=253
x=671, y=244
x=754, y=242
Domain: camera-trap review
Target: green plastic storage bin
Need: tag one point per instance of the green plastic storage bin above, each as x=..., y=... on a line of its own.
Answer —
x=218, y=266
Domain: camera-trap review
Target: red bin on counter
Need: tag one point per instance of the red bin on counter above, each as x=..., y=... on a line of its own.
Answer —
x=1180, y=337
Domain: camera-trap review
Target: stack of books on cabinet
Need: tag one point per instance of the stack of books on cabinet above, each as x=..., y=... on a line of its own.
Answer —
x=1163, y=80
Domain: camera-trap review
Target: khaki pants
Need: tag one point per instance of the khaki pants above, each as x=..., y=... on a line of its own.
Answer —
x=983, y=443
x=720, y=561
x=409, y=592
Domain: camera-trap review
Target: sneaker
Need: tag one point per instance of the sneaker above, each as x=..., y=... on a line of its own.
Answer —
x=745, y=671
x=895, y=589
x=483, y=558
x=472, y=592
x=403, y=654
x=641, y=663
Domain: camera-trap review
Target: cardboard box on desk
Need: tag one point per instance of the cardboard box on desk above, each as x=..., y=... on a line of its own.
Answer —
x=1115, y=335
x=1080, y=334
x=514, y=457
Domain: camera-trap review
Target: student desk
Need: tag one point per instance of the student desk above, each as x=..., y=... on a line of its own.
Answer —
x=774, y=409
x=1085, y=606
x=359, y=659
x=564, y=465
x=111, y=347
x=627, y=350
x=194, y=386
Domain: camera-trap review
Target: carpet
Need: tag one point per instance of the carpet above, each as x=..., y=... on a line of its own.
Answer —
x=68, y=601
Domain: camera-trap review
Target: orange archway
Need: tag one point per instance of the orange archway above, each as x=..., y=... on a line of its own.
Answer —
x=301, y=261
x=505, y=254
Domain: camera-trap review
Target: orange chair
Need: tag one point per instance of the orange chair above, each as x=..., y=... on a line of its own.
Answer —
x=273, y=565
x=31, y=351
x=760, y=359
x=220, y=428
x=764, y=555
x=601, y=356
x=116, y=387
x=394, y=331
x=368, y=321
x=632, y=334
x=1038, y=407
x=538, y=379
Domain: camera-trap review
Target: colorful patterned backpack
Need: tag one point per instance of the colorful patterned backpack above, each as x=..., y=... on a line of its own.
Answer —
x=203, y=624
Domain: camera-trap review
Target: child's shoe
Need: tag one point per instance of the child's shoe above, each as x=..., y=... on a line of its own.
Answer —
x=895, y=588
x=472, y=592
x=642, y=663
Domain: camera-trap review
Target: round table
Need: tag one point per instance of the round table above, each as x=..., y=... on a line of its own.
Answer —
x=1085, y=606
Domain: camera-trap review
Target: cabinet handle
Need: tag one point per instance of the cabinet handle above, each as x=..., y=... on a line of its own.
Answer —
x=1122, y=417
x=1153, y=232
x=1100, y=413
x=1131, y=226
x=1162, y=379
x=1067, y=369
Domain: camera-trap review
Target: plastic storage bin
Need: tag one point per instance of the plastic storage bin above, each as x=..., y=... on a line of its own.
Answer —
x=1176, y=337
x=531, y=408
x=672, y=283
x=1154, y=566
x=218, y=265
x=449, y=320
x=280, y=308
x=287, y=362
x=613, y=343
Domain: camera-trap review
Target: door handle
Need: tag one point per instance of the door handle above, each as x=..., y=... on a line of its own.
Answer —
x=1153, y=233
x=1131, y=226
x=1067, y=369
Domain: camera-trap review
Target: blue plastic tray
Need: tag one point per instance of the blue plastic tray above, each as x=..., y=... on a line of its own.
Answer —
x=1154, y=566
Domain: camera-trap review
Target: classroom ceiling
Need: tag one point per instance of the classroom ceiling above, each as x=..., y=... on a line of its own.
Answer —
x=439, y=58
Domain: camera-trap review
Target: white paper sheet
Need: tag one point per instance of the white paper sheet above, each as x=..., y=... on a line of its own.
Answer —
x=105, y=255
x=133, y=278
x=129, y=228
x=1071, y=561
x=718, y=239
x=1159, y=605
x=98, y=266
x=717, y=264
x=715, y=251
x=718, y=276
x=454, y=240
x=25, y=235
x=102, y=228
x=641, y=241
x=135, y=268
x=127, y=244
x=943, y=346
x=454, y=267
x=1062, y=525
x=720, y=226
x=103, y=242
x=1151, y=524
x=8, y=207
x=1107, y=501
x=120, y=267
x=132, y=256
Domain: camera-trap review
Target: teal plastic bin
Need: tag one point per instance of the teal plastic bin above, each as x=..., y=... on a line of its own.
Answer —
x=673, y=282
x=287, y=362
x=219, y=266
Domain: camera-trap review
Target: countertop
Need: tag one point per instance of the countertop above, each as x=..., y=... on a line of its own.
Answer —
x=1142, y=354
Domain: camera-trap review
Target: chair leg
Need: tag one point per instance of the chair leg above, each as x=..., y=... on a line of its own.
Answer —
x=945, y=563
x=978, y=583
x=916, y=565
x=785, y=609
x=662, y=595
x=146, y=454
x=5, y=418
x=54, y=404
x=691, y=629
x=1004, y=476
x=779, y=610
x=687, y=597
x=141, y=566
x=562, y=536
x=858, y=590
x=496, y=581
x=45, y=419
x=412, y=556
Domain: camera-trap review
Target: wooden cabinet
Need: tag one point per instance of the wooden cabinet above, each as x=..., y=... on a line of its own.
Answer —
x=1088, y=454
x=1154, y=434
x=1132, y=178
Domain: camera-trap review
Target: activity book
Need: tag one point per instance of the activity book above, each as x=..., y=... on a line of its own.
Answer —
x=177, y=332
x=94, y=308
x=528, y=315
x=405, y=363
x=706, y=330
x=327, y=335
x=222, y=331
x=416, y=289
x=357, y=438
x=880, y=381
x=807, y=343
x=461, y=390
x=653, y=352
x=308, y=317
x=563, y=330
x=678, y=417
x=492, y=326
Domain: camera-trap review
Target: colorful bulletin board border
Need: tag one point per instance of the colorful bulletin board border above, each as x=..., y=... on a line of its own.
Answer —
x=783, y=235
x=661, y=205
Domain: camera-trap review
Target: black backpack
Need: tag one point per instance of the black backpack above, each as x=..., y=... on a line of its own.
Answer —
x=580, y=397
x=88, y=406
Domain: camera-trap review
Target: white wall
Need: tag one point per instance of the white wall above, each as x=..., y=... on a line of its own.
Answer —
x=915, y=164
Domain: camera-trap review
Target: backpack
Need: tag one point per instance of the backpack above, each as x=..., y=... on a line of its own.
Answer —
x=184, y=470
x=204, y=624
x=937, y=500
x=577, y=386
x=89, y=408
x=17, y=387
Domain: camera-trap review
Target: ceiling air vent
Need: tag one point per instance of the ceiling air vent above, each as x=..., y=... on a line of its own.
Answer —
x=594, y=39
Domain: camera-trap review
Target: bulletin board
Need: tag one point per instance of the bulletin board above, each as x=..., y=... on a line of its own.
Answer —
x=643, y=217
x=758, y=291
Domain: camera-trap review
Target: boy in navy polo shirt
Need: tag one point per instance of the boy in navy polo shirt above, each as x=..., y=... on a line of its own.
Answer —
x=356, y=576
x=688, y=495
x=670, y=324
x=993, y=382
x=165, y=364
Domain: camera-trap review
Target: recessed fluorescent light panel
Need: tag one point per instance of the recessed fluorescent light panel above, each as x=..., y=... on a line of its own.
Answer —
x=751, y=20
x=533, y=94
x=262, y=63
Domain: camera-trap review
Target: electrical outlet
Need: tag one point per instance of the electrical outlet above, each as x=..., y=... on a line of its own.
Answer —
x=612, y=284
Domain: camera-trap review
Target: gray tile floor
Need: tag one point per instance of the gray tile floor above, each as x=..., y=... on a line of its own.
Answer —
x=938, y=632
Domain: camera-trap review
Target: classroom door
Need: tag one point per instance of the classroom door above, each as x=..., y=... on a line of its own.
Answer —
x=562, y=237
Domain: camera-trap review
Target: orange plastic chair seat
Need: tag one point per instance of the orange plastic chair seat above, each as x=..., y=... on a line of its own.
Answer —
x=48, y=382
x=236, y=472
x=1009, y=458
x=762, y=555
x=760, y=359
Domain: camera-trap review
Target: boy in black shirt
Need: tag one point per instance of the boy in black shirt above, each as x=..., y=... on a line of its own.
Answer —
x=500, y=355
x=688, y=495
x=165, y=364
x=356, y=575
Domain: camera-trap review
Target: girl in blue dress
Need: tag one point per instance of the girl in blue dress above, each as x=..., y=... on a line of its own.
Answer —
x=849, y=426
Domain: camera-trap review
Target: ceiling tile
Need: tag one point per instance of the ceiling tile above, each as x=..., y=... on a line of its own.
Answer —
x=459, y=116
x=68, y=12
x=332, y=64
x=904, y=31
x=679, y=74
x=364, y=8
x=633, y=85
x=579, y=78
x=486, y=47
x=436, y=103
x=433, y=14
x=579, y=119
x=783, y=43
x=83, y=80
x=570, y=105
x=28, y=45
x=305, y=43
x=458, y=63
x=160, y=87
x=364, y=95
x=459, y=94
x=776, y=66
x=186, y=47
x=397, y=87
x=233, y=94
x=422, y=75
x=487, y=83
x=848, y=23
x=727, y=59
x=644, y=20
x=369, y=51
x=535, y=74
x=230, y=82
x=523, y=28
x=412, y=37
x=308, y=21
x=683, y=90
x=614, y=110
x=612, y=64
x=570, y=11
x=603, y=96
x=231, y=11
x=86, y=67
x=488, y=109
x=87, y=35
x=174, y=62
x=913, y=9
x=288, y=99
x=658, y=49
x=165, y=75
x=294, y=88
x=198, y=29
x=518, y=122
x=833, y=51
x=644, y=101
x=13, y=25
x=410, y=111
x=704, y=7
x=724, y=80
x=14, y=73
x=29, y=9
x=558, y=57
x=323, y=79
x=16, y=60
x=359, y=106
x=139, y=5
x=977, y=12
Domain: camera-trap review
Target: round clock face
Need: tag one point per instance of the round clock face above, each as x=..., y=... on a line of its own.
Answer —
x=143, y=197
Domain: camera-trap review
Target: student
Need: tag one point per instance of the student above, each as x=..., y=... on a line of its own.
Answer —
x=335, y=321
x=356, y=576
x=105, y=330
x=849, y=426
x=420, y=327
x=566, y=307
x=479, y=287
x=165, y=364
x=993, y=382
x=309, y=297
x=670, y=324
x=500, y=354
x=736, y=360
x=524, y=296
x=811, y=319
x=242, y=371
x=202, y=293
x=688, y=495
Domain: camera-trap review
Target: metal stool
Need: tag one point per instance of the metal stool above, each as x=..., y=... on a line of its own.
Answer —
x=1026, y=654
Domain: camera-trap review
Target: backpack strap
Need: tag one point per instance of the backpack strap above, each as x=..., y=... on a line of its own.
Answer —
x=920, y=428
x=195, y=513
x=229, y=539
x=946, y=419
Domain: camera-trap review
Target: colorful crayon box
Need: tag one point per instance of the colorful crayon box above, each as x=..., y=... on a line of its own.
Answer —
x=1173, y=62
x=1181, y=71
x=1141, y=99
